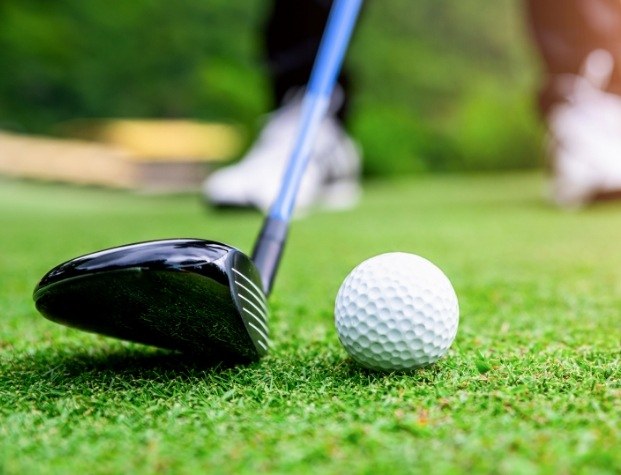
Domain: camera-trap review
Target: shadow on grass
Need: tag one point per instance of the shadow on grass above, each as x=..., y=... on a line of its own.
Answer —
x=123, y=367
x=423, y=375
x=133, y=362
x=104, y=375
x=54, y=380
x=326, y=365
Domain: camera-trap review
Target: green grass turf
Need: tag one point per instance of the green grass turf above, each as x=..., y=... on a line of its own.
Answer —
x=532, y=383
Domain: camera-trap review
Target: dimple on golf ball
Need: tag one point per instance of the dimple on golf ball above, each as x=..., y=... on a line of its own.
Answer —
x=396, y=311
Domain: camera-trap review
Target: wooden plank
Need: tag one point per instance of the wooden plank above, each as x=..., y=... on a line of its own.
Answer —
x=168, y=140
x=142, y=155
x=64, y=160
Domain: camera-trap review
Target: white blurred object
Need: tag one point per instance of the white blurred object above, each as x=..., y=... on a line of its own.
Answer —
x=331, y=178
x=585, y=135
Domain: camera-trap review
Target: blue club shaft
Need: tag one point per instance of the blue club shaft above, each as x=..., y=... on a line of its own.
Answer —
x=315, y=103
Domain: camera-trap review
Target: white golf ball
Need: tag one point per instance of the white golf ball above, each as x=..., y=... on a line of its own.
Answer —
x=396, y=311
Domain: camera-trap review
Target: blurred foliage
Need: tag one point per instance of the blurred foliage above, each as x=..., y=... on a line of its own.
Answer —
x=439, y=84
x=446, y=85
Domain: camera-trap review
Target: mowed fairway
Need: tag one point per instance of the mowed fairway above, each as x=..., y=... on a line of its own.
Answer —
x=531, y=385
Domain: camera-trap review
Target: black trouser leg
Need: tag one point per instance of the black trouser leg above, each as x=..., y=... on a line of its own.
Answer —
x=292, y=36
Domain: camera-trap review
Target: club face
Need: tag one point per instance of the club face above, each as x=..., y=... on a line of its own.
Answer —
x=190, y=295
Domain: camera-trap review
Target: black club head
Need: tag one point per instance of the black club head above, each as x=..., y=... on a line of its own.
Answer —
x=191, y=295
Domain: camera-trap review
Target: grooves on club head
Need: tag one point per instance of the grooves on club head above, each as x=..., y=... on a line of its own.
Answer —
x=190, y=295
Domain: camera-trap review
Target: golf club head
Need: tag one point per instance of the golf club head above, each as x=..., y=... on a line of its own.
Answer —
x=190, y=295
x=193, y=295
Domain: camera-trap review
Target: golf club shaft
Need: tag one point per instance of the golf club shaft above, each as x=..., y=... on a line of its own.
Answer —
x=270, y=244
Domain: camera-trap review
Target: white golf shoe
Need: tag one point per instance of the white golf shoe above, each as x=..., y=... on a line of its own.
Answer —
x=585, y=136
x=331, y=179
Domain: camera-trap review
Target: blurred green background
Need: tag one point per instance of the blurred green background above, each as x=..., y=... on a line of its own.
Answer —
x=440, y=85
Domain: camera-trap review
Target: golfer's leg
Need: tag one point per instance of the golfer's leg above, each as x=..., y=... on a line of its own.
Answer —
x=579, y=42
x=565, y=32
x=292, y=35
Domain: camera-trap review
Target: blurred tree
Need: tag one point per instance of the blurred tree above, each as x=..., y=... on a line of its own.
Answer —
x=139, y=58
x=445, y=85
x=440, y=84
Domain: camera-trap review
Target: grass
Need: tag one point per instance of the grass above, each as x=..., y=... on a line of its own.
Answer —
x=531, y=385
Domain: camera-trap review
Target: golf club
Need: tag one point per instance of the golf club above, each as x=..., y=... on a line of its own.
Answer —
x=195, y=295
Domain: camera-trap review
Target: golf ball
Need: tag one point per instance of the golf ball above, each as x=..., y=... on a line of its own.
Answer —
x=396, y=311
